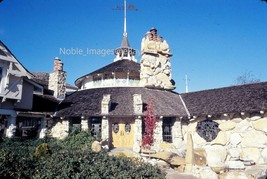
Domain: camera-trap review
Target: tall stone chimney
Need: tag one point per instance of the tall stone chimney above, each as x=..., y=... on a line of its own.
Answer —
x=57, y=80
x=155, y=65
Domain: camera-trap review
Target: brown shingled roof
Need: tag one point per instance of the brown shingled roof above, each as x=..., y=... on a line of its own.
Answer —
x=42, y=78
x=88, y=102
x=243, y=98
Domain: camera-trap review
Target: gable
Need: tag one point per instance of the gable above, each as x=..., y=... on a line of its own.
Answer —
x=13, y=67
x=13, y=74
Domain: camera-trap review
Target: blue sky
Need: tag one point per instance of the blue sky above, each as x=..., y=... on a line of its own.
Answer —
x=212, y=41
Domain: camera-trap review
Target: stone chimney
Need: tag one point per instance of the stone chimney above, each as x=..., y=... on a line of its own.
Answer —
x=138, y=104
x=57, y=80
x=155, y=71
x=105, y=104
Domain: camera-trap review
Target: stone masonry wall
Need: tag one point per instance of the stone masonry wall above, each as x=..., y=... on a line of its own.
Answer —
x=60, y=130
x=241, y=141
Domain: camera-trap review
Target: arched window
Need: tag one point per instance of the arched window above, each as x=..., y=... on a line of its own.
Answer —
x=115, y=127
x=128, y=127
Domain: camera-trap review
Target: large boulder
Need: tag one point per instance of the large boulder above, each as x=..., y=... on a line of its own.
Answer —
x=234, y=175
x=204, y=173
x=257, y=171
x=226, y=126
x=216, y=155
x=96, y=146
x=235, y=139
x=261, y=125
x=254, y=138
x=234, y=153
x=208, y=172
x=243, y=126
x=235, y=165
x=221, y=139
x=198, y=141
x=177, y=161
x=252, y=154
x=200, y=156
x=169, y=157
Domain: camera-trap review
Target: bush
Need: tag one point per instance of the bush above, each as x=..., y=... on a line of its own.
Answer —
x=77, y=140
x=42, y=151
x=68, y=159
x=79, y=164
x=16, y=158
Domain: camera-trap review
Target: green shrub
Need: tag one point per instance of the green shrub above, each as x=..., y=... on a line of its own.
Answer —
x=16, y=158
x=42, y=151
x=68, y=159
x=80, y=164
x=77, y=140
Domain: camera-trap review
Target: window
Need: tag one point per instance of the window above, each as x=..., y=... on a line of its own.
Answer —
x=76, y=123
x=167, y=124
x=128, y=127
x=27, y=127
x=207, y=129
x=96, y=127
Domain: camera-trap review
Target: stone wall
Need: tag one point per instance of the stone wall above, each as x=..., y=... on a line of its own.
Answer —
x=105, y=131
x=60, y=129
x=158, y=135
x=137, y=134
x=240, y=142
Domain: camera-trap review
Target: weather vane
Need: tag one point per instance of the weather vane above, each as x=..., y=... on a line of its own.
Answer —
x=124, y=8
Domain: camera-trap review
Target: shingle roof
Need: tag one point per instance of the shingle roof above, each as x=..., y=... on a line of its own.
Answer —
x=243, y=98
x=88, y=102
x=43, y=78
x=118, y=66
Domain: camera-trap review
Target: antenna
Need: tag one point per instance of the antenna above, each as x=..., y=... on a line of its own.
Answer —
x=186, y=84
x=124, y=8
x=125, y=32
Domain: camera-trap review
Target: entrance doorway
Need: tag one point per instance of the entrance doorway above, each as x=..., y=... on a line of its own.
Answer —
x=122, y=132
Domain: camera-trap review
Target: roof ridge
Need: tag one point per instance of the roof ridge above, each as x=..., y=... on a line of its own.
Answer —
x=227, y=87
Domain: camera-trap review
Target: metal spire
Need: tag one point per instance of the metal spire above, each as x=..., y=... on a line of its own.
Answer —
x=125, y=32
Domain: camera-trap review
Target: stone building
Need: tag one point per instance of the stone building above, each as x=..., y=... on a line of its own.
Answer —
x=227, y=125
x=112, y=100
